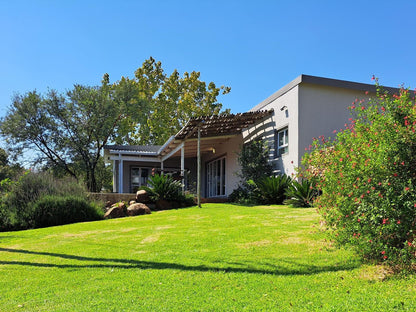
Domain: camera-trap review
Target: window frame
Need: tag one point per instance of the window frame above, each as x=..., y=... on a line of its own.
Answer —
x=282, y=149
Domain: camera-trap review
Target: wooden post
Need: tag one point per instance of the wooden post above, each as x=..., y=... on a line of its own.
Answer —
x=198, y=187
x=183, y=168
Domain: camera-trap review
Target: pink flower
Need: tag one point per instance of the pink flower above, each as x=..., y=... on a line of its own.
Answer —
x=383, y=252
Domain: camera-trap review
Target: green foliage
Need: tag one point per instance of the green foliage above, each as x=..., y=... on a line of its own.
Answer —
x=300, y=194
x=254, y=161
x=18, y=202
x=243, y=194
x=69, y=131
x=51, y=210
x=271, y=190
x=164, y=187
x=170, y=101
x=7, y=169
x=368, y=178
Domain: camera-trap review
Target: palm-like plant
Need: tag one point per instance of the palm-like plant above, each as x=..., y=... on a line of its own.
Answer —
x=163, y=187
x=301, y=194
x=271, y=190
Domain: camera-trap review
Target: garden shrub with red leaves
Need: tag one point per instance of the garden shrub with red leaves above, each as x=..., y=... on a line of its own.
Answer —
x=367, y=175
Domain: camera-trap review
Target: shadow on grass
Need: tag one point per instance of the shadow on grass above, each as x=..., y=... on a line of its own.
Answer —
x=293, y=267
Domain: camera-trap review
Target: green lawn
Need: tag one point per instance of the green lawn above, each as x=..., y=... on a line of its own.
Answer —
x=219, y=258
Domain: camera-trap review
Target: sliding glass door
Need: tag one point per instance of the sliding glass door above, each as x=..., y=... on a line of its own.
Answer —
x=216, y=178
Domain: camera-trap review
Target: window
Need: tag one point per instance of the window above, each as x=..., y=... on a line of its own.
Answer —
x=139, y=177
x=216, y=178
x=282, y=142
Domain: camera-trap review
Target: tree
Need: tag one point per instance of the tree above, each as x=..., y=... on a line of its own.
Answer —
x=70, y=130
x=7, y=168
x=170, y=101
x=254, y=161
x=368, y=178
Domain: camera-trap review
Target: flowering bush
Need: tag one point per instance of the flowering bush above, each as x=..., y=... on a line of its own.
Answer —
x=368, y=178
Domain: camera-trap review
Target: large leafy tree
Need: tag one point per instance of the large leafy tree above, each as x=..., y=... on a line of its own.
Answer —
x=8, y=169
x=170, y=100
x=69, y=131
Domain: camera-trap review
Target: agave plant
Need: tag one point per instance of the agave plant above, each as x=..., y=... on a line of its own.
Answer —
x=301, y=194
x=271, y=190
x=163, y=187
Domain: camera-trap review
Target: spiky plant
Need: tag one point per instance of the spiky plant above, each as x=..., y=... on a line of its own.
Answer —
x=163, y=187
x=271, y=190
x=300, y=194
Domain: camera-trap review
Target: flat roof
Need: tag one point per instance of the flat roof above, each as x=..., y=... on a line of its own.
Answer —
x=336, y=83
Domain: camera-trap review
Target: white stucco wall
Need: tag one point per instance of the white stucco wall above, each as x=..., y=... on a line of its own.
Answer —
x=229, y=149
x=281, y=119
x=312, y=110
x=323, y=109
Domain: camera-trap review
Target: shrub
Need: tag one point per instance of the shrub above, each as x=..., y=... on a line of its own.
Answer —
x=164, y=187
x=368, y=178
x=300, y=194
x=254, y=161
x=53, y=210
x=271, y=190
x=243, y=194
x=19, y=196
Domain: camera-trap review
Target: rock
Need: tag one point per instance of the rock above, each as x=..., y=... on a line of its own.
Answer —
x=138, y=209
x=114, y=212
x=142, y=197
x=132, y=202
x=162, y=204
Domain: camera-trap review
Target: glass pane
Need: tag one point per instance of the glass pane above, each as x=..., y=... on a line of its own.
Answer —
x=281, y=136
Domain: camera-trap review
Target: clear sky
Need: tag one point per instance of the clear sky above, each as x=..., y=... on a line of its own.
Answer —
x=255, y=47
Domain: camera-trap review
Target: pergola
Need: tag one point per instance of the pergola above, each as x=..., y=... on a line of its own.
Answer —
x=198, y=135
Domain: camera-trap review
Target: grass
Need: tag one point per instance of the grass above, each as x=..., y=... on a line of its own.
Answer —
x=219, y=258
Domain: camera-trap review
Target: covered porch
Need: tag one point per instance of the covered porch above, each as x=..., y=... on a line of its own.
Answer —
x=203, y=155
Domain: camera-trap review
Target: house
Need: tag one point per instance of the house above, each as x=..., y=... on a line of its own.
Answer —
x=288, y=120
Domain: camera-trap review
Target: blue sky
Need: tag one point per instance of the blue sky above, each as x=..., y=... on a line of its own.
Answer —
x=255, y=47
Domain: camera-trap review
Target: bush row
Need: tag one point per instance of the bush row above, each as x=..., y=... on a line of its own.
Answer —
x=39, y=199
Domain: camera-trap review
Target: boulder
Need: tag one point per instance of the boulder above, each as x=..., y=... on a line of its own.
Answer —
x=114, y=212
x=132, y=202
x=138, y=209
x=142, y=197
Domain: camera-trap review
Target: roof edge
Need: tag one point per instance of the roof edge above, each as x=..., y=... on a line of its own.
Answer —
x=330, y=82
